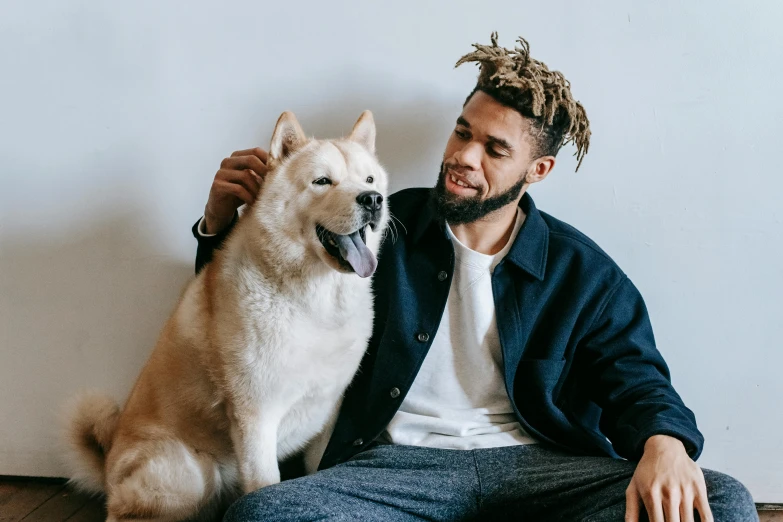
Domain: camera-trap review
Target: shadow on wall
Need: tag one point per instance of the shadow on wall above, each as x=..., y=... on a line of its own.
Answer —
x=84, y=309
x=80, y=312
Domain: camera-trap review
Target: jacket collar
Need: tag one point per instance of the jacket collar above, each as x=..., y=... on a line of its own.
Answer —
x=530, y=248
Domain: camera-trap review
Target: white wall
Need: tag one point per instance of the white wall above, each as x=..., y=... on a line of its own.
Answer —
x=115, y=116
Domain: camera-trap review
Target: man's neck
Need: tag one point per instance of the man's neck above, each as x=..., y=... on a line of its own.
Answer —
x=489, y=234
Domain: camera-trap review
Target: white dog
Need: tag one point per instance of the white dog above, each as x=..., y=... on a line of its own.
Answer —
x=253, y=363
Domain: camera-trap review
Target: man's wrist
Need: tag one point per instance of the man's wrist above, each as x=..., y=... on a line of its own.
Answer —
x=212, y=225
x=658, y=443
x=201, y=228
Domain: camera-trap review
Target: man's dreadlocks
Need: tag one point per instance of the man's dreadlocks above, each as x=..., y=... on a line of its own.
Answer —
x=527, y=85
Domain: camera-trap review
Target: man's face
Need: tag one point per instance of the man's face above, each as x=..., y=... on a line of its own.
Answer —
x=485, y=163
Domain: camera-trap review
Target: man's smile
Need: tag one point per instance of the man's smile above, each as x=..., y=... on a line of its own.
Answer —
x=457, y=184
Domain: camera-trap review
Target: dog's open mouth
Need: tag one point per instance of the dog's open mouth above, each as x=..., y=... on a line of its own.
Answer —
x=350, y=250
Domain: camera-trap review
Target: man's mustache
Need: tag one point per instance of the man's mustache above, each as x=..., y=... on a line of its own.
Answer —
x=457, y=169
x=454, y=167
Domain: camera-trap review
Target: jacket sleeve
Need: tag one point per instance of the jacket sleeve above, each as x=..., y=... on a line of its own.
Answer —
x=208, y=244
x=630, y=380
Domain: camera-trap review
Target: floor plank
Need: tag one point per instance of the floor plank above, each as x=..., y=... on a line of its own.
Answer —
x=19, y=499
x=6, y=492
x=93, y=511
x=59, y=507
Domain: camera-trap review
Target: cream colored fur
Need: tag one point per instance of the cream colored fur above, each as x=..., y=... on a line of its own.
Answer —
x=253, y=363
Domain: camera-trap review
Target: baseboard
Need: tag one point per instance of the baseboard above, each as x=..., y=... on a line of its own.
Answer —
x=40, y=480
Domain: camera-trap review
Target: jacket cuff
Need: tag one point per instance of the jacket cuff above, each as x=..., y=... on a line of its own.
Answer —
x=691, y=439
x=200, y=228
x=213, y=239
x=209, y=243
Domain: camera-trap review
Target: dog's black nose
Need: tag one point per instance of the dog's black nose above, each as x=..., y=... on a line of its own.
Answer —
x=370, y=200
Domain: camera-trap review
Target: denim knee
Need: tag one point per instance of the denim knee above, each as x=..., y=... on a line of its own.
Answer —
x=250, y=507
x=730, y=500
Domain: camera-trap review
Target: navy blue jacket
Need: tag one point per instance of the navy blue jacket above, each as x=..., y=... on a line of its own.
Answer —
x=580, y=361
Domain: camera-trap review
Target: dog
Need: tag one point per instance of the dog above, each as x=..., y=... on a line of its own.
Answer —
x=252, y=365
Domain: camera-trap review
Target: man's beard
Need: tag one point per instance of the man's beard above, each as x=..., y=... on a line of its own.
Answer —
x=457, y=210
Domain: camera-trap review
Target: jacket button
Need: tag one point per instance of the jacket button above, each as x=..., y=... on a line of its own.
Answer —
x=423, y=337
x=358, y=442
x=394, y=392
x=442, y=275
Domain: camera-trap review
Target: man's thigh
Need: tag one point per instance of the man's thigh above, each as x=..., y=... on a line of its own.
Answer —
x=384, y=483
x=536, y=483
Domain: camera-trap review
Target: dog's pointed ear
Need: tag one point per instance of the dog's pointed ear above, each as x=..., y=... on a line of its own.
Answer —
x=287, y=137
x=363, y=132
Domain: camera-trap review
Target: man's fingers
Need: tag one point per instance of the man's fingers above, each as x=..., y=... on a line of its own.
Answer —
x=257, y=152
x=244, y=162
x=686, y=508
x=703, y=506
x=235, y=189
x=654, y=506
x=671, y=507
x=632, y=504
x=246, y=178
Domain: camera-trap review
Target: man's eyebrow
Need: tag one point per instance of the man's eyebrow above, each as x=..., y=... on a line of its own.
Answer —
x=500, y=141
x=491, y=139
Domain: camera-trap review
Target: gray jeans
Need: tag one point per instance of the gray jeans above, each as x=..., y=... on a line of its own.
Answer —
x=407, y=483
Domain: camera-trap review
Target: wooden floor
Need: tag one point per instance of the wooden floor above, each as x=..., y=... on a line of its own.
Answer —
x=46, y=500
x=49, y=500
x=771, y=516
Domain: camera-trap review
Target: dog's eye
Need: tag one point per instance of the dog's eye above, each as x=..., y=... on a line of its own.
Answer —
x=322, y=181
x=370, y=179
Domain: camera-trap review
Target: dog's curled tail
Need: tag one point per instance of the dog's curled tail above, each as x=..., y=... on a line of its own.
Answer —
x=90, y=421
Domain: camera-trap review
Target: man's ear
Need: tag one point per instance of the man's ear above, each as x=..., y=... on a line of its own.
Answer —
x=363, y=132
x=540, y=169
x=287, y=137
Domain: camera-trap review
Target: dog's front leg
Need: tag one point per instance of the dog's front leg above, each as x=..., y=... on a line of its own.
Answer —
x=254, y=433
x=314, y=451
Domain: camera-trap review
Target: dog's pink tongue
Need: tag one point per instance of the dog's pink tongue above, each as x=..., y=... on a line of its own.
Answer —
x=353, y=250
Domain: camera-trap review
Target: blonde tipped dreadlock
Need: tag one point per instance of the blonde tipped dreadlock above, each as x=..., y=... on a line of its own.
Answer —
x=528, y=85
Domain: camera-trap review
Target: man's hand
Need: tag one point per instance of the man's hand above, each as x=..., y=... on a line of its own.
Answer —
x=237, y=182
x=668, y=483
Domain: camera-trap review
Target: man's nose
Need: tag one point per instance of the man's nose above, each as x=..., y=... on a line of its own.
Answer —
x=470, y=156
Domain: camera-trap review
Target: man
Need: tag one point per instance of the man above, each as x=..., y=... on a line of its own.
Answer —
x=512, y=372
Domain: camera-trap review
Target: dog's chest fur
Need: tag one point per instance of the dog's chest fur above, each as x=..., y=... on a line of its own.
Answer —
x=296, y=344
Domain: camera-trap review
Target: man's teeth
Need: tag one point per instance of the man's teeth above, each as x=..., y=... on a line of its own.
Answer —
x=459, y=182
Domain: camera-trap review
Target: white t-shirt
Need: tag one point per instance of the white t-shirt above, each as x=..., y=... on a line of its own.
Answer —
x=458, y=399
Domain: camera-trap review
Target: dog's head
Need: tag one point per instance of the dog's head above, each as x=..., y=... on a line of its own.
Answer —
x=329, y=196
